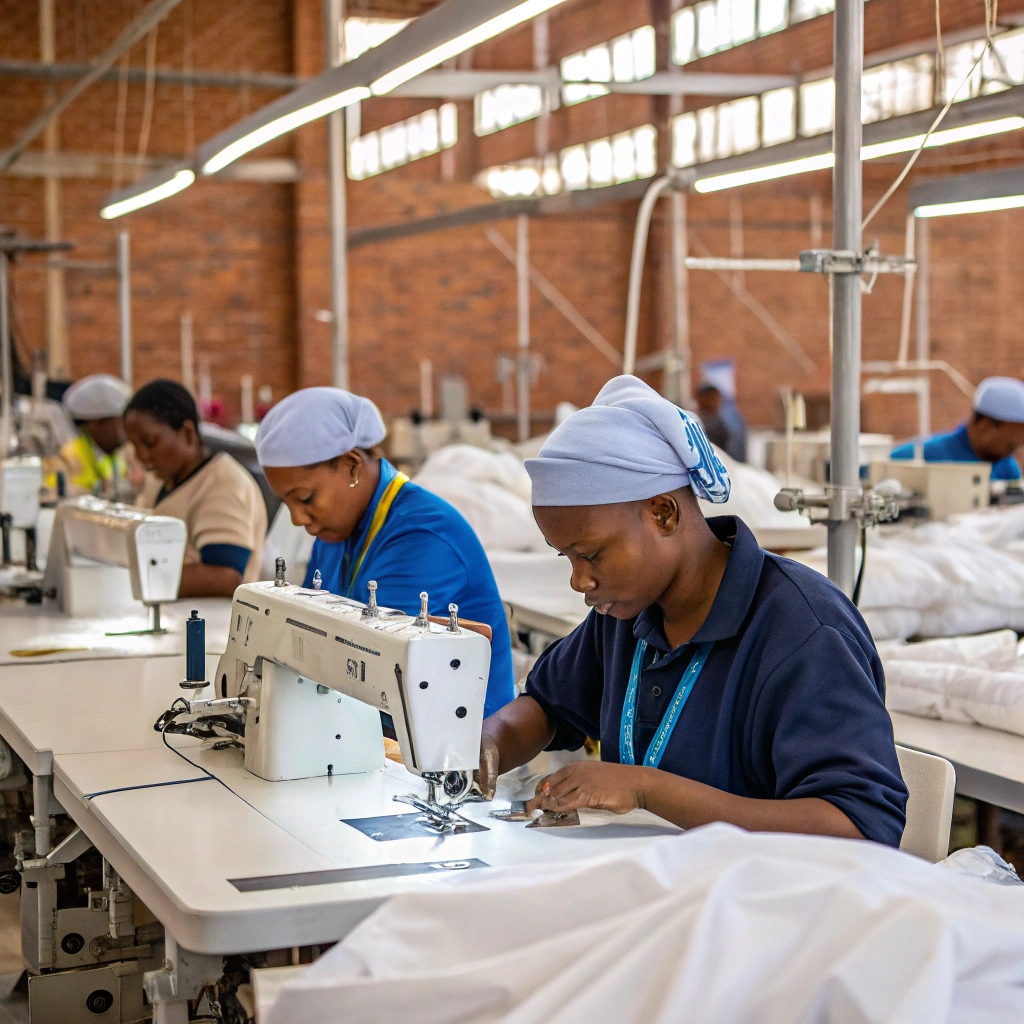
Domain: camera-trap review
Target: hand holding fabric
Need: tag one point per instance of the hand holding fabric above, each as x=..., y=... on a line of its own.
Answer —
x=599, y=785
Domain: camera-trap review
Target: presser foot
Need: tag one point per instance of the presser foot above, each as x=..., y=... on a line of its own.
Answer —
x=437, y=817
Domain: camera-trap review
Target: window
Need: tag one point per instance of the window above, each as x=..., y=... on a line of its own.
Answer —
x=506, y=105
x=624, y=157
x=397, y=144
x=817, y=106
x=627, y=58
x=710, y=26
x=362, y=34
x=889, y=90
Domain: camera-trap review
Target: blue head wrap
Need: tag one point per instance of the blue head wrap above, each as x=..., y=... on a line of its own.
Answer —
x=1000, y=398
x=631, y=444
x=315, y=425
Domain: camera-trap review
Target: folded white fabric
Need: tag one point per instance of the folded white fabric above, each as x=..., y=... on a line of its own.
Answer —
x=997, y=651
x=956, y=693
x=714, y=925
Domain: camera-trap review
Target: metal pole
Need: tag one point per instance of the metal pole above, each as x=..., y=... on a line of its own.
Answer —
x=679, y=375
x=124, y=300
x=847, y=213
x=334, y=19
x=523, y=288
x=5, y=366
x=923, y=329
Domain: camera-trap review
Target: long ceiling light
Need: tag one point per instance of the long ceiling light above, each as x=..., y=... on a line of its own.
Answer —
x=971, y=206
x=459, y=44
x=969, y=193
x=825, y=161
x=282, y=125
x=449, y=29
x=150, y=190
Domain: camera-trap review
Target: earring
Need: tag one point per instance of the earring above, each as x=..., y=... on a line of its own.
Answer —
x=355, y=483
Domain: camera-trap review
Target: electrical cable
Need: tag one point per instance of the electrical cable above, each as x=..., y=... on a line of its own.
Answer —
x=990, y=7
x=147, y=103
x=863, y=562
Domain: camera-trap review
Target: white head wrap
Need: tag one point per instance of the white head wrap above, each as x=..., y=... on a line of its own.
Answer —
x=631, y=444
x=317, y=424
x=97, y=397
x=1000, y=398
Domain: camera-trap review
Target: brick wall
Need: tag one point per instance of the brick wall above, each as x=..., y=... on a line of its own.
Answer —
x=252, y=261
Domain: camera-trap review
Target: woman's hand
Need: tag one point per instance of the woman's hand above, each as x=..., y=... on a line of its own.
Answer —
x=599, y=785
x=487, y=774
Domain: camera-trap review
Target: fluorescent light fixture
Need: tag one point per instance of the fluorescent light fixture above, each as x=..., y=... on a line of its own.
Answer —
x=971, y=206
x=282, y=125
x=943, y=138
x=734, y=179
x=460, y=43
x=149, y=190
x=825, y=161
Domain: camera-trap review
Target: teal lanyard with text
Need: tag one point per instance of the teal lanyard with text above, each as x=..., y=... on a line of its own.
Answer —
x=668, y=723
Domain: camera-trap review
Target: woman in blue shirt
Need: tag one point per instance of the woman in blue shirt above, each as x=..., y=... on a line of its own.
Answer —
x=724, y=683
x=319, y=449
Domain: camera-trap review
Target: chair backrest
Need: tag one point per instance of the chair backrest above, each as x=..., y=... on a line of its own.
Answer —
x=931, y=781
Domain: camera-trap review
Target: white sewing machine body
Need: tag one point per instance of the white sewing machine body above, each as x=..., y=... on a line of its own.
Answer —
x=22, y=482
x=316, y=669
x=104, y=556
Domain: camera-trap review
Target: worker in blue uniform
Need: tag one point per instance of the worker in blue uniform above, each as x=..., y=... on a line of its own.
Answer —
x=723, y=682
x=992, y=434
x=320, y=451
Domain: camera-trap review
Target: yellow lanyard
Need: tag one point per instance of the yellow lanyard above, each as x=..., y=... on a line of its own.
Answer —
x=380, y=514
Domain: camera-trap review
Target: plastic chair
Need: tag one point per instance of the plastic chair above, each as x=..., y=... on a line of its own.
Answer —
x=931, y=781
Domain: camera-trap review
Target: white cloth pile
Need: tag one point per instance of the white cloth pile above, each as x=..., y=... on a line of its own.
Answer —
x=971, y=679
x=490, y=489
x=714, y=925
x=943, y=579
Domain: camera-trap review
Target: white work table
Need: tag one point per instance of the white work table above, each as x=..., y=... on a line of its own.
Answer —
x=30, y=629
x=179, y=836
x=989, y=763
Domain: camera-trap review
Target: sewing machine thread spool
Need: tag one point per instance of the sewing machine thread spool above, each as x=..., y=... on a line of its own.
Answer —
x=280, y=568
x=195, y=653
x=423, y=621
x=370, y=611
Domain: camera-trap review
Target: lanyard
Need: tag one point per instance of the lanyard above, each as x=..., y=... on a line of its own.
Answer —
x=380, y=514
x=668, y=723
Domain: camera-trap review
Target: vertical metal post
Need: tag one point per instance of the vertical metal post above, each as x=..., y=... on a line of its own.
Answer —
x=7, y=385
x=334, y=20
x=679, y=376
x=124, y=301
x=523, y=289
x=847, y=212
x=923, y=330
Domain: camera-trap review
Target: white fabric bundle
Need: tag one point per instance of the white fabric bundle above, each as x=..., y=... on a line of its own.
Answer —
x=714, y=925
x=491, y=490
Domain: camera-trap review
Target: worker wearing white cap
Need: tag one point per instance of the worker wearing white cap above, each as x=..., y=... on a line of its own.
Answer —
x=320, y=451
x=992, y=434
x=95, y=460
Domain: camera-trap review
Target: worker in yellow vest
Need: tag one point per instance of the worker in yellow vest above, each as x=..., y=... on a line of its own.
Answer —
x=95, y=459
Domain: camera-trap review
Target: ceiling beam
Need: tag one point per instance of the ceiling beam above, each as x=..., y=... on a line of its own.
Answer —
x=163, y=76
x=141, y=26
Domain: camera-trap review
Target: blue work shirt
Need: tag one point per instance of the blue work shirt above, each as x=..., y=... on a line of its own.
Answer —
x=956, y=447
x=424, y=544
x=789, y=704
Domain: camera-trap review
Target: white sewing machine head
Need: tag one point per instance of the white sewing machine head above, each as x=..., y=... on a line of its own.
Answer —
x=316, y=668
x=22, y=480
x=103, y=555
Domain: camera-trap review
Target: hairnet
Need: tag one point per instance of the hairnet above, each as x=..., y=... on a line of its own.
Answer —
x=629, y=445
x=317, y=424
x=97, y=397
x=1000, y=398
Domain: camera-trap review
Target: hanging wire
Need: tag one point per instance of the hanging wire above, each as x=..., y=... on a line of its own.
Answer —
x=991, y=7
x=147, y=105
x=119, y=120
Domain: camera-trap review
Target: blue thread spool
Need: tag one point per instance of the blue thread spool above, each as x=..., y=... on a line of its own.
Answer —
x=195, y=649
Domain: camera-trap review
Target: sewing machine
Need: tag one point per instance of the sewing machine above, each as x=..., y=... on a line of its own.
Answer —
x=19, y=508
x=309, y=671
x=105, y=556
